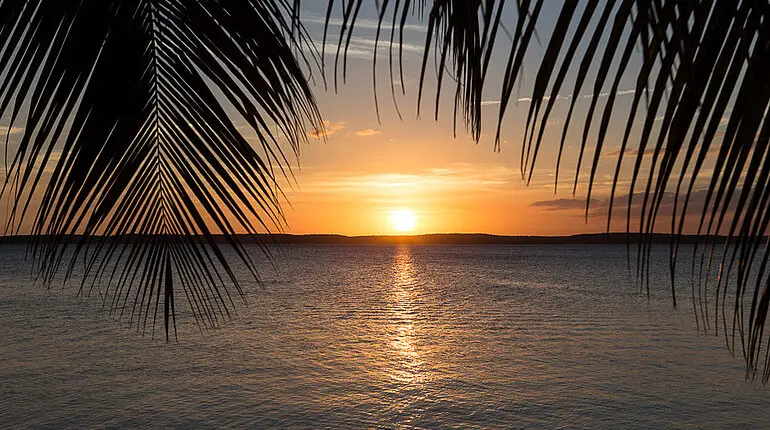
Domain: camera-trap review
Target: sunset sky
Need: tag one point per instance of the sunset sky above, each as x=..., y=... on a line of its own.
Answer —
x=352, y=182
x=368, y=178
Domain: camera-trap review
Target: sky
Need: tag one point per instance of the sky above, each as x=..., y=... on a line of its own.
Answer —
x=366, y=175
x=413, y=175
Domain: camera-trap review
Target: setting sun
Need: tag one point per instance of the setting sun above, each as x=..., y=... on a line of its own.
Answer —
x=403, y=220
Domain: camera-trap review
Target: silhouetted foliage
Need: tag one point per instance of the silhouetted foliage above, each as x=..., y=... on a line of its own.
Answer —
x=126, y=94
x=148, y=152
x=703, y=64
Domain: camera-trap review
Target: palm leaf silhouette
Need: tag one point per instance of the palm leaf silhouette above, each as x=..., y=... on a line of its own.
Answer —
x=151, y=159
x=132, y=98
x=704, y=63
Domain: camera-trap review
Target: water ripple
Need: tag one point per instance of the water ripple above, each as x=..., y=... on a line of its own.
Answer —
x=384, y=337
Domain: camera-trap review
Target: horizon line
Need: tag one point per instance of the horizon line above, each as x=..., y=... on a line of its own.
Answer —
x=415, y=239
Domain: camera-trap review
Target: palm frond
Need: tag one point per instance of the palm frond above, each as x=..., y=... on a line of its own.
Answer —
x=134, y=104
x=703, y=75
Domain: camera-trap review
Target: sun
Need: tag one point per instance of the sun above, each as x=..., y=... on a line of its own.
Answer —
x=403, y=220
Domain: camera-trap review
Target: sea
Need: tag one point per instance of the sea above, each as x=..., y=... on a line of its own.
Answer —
x=436, y=337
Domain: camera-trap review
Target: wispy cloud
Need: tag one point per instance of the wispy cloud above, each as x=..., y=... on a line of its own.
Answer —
x=362, y=47
x=600, y=206
x=367, y=132
x=562, y=204
x=628, y=151
x=364, y=23
x=713, y=149
x=623, y=92
x=559, y=97
x=449, y=179
x=329, y=128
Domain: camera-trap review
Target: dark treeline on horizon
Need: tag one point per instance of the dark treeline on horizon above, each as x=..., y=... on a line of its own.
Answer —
x=423, y=239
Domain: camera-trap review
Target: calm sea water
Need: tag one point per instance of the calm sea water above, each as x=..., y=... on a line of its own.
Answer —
x=385, y=337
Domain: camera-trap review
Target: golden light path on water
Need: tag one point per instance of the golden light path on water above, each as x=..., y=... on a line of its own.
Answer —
x=403, y=307
x=386, y=337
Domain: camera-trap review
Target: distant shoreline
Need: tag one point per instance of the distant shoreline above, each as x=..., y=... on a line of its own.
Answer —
x=428, y=239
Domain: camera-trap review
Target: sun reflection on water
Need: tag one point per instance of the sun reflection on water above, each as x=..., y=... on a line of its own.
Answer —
x=404, y=308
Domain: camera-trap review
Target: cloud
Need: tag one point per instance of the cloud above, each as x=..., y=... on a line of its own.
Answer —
x=361, y=47
x=559, y=97
x=365, y=23
x=329, y=128
x=695, y=204
x=598, y=209
x=451, y=179
x=600, y=205
x=617, y=93
x=629, y=151
x=519, y=100
x=713, y=149
x=562, y=204
x=367, y=132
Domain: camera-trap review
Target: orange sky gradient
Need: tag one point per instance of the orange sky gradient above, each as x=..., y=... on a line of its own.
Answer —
x=352, y=180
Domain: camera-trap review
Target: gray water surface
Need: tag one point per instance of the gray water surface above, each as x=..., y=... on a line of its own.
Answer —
x=384, y=337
